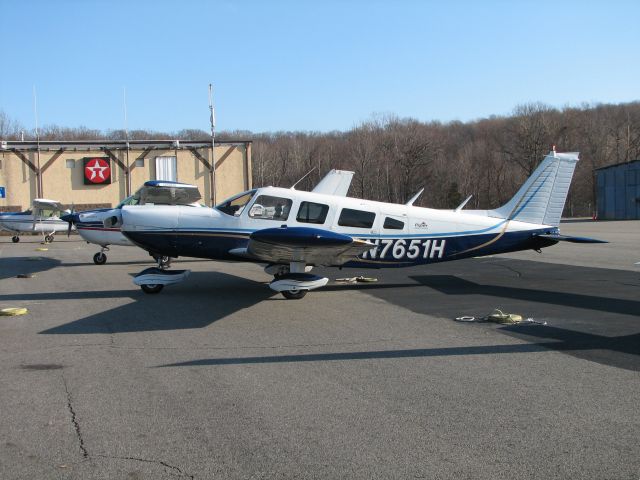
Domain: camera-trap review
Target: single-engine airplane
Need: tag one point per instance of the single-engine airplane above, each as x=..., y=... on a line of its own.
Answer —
x=90, y=223
x=44, y=217
x=292, y=231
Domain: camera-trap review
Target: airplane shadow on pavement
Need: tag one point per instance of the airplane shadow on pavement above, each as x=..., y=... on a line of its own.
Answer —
x=200, y=301
x=13, y=266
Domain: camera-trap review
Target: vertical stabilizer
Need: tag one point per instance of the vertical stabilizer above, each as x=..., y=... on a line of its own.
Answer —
x=542, y=197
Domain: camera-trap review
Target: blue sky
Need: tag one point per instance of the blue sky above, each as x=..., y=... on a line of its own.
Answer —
x=309, y=65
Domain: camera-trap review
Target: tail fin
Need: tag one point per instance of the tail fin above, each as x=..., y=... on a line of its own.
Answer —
x=542, y=197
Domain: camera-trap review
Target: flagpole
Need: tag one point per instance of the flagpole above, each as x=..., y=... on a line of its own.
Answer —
x=212, y=119
x=126, y=136
x=39, y=172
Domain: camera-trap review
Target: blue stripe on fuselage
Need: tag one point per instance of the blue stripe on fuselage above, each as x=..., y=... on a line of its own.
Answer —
x=216, y=244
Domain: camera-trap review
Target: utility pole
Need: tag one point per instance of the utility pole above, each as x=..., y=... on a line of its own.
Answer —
x=127, y=172
x=213, y=147
x=38, y=172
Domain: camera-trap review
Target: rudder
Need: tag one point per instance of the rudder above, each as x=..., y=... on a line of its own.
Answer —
x=542, y=197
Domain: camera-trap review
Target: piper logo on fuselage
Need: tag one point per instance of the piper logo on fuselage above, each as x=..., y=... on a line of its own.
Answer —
x=421, y=225
x=399, y=249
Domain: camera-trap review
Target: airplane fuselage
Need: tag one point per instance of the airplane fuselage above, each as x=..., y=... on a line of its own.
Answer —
x=401, y=235
x=24, y=222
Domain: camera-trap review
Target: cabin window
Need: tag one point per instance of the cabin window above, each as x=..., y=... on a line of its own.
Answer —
x=235, y=205
x=356, y=218
x=393, y=224
x=267, y=207
x=47, y=213
x=310, y=212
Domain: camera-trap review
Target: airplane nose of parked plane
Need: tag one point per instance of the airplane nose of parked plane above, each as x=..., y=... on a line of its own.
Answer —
x=70, y=217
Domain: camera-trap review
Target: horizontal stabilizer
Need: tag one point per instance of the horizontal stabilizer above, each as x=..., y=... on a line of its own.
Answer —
x=565, y=238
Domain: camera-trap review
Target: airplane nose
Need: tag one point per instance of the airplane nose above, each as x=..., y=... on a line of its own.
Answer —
x=70, y=217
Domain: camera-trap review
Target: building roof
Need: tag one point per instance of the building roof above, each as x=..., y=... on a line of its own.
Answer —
x=114, y=144
x=618, y=165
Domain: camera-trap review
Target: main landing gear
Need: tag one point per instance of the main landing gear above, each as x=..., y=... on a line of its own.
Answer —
x=293, y=280
x=15, y=239
x=152, y=280
x=48, y=238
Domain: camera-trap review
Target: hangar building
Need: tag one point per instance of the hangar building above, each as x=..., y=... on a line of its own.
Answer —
x=618, y=191
x=99, y=174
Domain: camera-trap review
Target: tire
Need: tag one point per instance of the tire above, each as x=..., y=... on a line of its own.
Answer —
x=48, y=239
x=294, y=294
x=100, y=258
x=15, y=239
x=154, y=288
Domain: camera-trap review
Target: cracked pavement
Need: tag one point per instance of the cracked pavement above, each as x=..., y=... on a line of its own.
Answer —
x=218, y=377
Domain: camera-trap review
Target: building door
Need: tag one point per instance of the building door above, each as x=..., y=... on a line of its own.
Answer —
x=166, y=169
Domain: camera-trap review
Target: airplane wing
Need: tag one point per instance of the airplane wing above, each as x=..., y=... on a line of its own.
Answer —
x=161, y=192
x=43, y=203
x=301, y=244
x=336, y=182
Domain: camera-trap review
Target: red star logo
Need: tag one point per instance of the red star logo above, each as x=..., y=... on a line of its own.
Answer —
x=97, y=170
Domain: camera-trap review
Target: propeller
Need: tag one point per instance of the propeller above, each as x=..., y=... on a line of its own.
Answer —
x=69, y=218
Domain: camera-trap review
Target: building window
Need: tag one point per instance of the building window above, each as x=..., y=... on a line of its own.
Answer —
x=267, y=207
x=71, y=163
x=356, y=218
x=393, y=224
x=310, y=212
x=139, y=162
x=166, y=169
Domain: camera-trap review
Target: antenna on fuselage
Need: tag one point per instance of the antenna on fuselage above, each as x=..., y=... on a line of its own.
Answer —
x=293, y=187
x=461, y=206
x=414, y=198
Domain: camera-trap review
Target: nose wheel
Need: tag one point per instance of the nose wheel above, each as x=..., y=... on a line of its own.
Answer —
x=15, y=239
x=48, y=238
x=100, y=258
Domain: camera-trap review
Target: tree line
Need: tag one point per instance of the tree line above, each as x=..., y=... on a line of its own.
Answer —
x=394, y=157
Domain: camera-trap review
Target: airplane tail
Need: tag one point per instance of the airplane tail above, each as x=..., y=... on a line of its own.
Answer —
x=542, y=197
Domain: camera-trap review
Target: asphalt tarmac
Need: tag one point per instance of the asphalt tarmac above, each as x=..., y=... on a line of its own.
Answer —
x=219, y=377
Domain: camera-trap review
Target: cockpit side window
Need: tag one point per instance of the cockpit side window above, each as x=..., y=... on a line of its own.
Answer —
x=267, y=207
x=48, y=212
x=235, y=205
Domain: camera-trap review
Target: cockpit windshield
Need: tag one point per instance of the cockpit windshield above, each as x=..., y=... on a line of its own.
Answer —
x=234, y=205
x=132, y=200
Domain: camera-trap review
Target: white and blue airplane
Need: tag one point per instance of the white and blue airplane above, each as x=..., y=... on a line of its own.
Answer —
x=44, y=217
x=292, y=231
x=90, y=223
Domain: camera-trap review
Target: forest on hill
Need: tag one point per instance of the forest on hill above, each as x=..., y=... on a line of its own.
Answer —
x=394, y=157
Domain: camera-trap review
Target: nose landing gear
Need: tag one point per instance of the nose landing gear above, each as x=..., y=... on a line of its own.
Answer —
x=100, y=258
